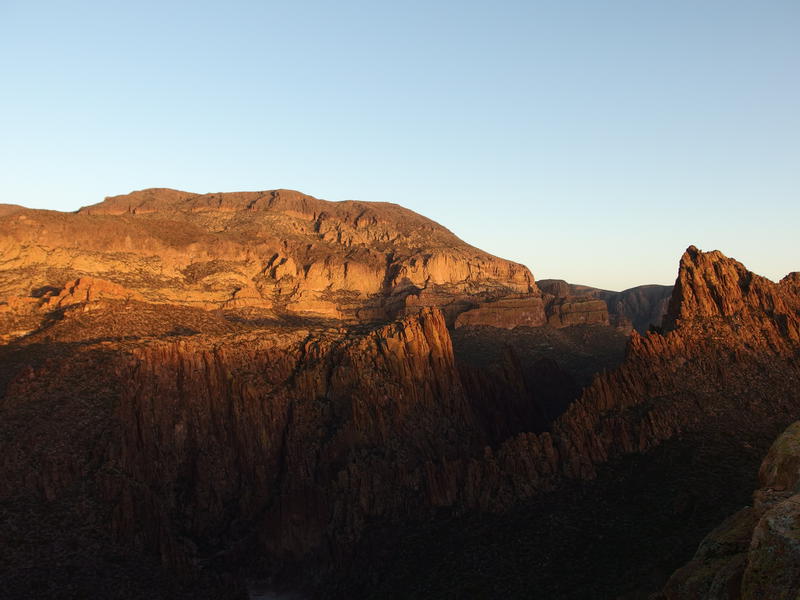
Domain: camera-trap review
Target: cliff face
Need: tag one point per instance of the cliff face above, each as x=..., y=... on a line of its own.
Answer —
x=207, y=450
x=710, y=285
x=506, y=313
x=638, y=307
x=297, y=439
x=733, y=350
x=535, y=311
x=720, y=330
x=278, y=250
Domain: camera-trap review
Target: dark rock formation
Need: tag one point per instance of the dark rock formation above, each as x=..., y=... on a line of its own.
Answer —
x=643, y=306
x=564, y=312
x=719, y=385
x=755, y=553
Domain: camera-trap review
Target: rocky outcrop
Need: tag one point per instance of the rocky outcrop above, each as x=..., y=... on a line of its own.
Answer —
x=558, y=288
x=208, y=448
x=277, y=250
x=639, y=307
x=386, y=426
x=713, y=364
x=506, y=312
x=719, y=383
x=534, y=311
x=710, y=285
x=755, y=553
x=86, y=291
x=763, y=324
x=565, y=312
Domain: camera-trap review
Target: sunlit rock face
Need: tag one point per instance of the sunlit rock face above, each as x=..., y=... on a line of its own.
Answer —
x=277, y=250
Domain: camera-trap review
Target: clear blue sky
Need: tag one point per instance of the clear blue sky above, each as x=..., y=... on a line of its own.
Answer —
x=592, y=141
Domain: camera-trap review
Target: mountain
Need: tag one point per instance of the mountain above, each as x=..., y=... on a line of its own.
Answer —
x=279, y=251
x=180, y=409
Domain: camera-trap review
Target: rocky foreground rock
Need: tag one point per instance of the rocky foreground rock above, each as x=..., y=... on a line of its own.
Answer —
x=179, y=410
x=755, y=553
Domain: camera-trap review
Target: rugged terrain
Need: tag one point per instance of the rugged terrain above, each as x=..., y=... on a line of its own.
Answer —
x=640, y=307
x=280, y=251
x=755, y=552
x=201, y=389
x=652, y=456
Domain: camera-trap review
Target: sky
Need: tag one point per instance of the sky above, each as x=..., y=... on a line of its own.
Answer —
x=592, y=141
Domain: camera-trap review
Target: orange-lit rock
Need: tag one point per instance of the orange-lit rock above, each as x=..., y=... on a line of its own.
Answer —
x=353, y=260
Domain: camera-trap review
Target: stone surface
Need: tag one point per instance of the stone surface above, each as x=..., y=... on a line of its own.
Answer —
x=565, y=312
x=773, y=561
x=715, y=572
x=534, y=311
x=278, y=250
x=639, y=307
x=755, y=553
x=710, y=284
x=506, y=313
x=780, y=470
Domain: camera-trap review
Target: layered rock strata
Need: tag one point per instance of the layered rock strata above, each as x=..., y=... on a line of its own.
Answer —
x=277, y=250
x=507, y=313
x=638, y=308
x=535, y=311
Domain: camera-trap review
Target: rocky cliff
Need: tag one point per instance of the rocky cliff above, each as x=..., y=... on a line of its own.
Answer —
x=692, y=405
x=639, y=307
x=732, y=342
x=277, y=250
x=535, y=311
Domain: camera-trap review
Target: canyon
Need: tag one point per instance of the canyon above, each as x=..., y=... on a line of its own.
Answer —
x=347, y=400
